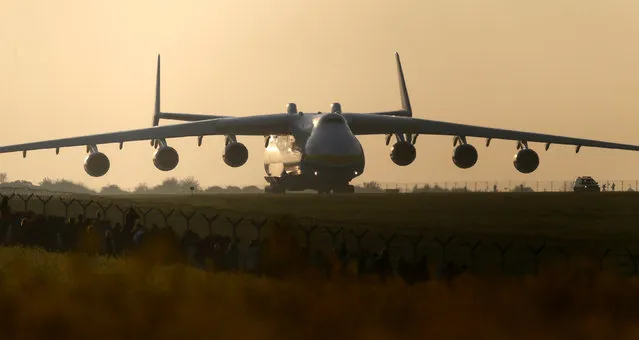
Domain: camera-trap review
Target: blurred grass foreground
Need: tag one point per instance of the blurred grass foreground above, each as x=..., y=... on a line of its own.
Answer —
x=146, y=296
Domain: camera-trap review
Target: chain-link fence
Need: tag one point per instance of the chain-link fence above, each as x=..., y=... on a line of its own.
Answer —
x=481, y=253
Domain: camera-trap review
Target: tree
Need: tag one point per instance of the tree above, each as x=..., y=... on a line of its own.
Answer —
x=169, y=186
x=64, y=185
x=46, y=182
x=372, y=185
x=112, y=189
x=3, y=177
x=522, y=188
x=231, y=189
x=142, y=188
x=214, y=189
x=187, y=183
x=252, y=189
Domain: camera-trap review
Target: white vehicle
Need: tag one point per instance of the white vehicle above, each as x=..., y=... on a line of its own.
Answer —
x=318, y=151
x=586, y=183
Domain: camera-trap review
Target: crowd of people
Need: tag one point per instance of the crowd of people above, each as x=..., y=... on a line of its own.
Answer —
x=276, y=255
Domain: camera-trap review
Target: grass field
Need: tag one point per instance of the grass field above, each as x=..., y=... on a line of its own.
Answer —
x=74, y=297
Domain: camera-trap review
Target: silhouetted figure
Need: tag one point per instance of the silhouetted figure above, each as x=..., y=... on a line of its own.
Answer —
x=131, y=218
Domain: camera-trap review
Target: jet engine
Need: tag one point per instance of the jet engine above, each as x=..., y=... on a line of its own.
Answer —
x=96, y=164
x=235, y=154
x=526, y=161
x=403, y=153
x=464, y=156
x=165, y=158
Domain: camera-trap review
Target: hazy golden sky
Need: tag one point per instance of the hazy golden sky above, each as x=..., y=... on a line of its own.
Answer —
x=75, y=67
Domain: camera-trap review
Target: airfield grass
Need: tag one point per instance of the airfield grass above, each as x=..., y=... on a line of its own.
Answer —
x=79, y=297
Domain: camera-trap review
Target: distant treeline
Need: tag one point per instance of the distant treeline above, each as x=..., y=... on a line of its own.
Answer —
x=170, y=185
x=187, y=185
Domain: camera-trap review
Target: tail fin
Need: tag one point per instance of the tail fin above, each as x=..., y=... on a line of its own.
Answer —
x=402, y=88
x=156, y=110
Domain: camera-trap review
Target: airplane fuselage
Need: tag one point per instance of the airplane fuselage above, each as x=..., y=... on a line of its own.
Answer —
x=321, y=153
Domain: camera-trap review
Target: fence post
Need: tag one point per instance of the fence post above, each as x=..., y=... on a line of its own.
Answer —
x=258, y=226
x=358, y=238
x=26, y=200
x=333, y=234
x=502, y=252
x=67, y=205
x=85, y=206
x=307, y=233
x=234, y=225
x=444, y=245
x=188, y=218
x=387, y=240
x=44, y=204
x=104, y=210
x=536, y=252
x=166, y=216
x=472, y=247
x=145, y=214
x=209, y=221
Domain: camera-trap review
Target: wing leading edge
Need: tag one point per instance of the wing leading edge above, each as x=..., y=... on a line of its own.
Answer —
x=368, y=124
x=247, y=126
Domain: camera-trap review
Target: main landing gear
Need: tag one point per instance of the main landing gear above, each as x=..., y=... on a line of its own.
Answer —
x=344, y=189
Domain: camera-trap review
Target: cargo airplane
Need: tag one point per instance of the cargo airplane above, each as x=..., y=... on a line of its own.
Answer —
x=303, y=150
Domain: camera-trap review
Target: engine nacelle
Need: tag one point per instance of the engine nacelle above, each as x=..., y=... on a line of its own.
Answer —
x=166, y=158
x=96, y=164
x=465, y=156
x=526, y=161
x=235, y=154
x=403, y=153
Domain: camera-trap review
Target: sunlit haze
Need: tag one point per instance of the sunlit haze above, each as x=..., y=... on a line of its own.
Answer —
x=70, y=68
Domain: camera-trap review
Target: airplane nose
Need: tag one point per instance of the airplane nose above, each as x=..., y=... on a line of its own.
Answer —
x=333, y=159
x=334, y=149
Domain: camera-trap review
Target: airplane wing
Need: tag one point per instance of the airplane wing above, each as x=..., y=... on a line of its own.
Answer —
x=188, y=117
x=368, y=124
x=247, y=126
